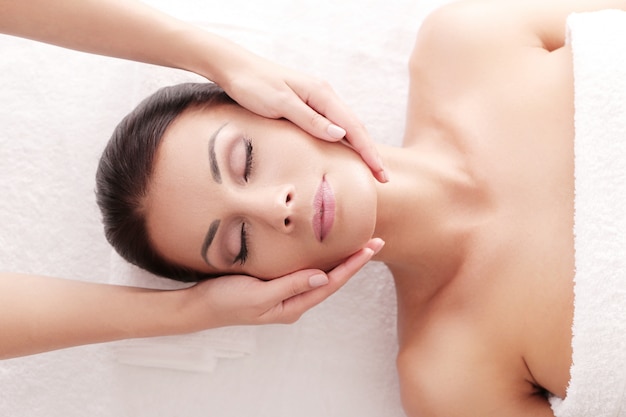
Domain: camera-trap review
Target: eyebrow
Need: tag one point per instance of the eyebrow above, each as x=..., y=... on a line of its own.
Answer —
x=215, y=169
x=217, y=176
x=208, y=239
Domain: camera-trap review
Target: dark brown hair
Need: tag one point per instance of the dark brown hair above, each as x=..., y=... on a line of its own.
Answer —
x=126, y=167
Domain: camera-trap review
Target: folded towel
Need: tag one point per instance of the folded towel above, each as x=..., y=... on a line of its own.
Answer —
x=598, y=373
x=197, y=352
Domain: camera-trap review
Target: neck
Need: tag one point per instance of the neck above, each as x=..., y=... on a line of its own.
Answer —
x=426, y=213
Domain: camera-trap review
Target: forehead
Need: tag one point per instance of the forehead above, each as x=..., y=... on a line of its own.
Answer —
x=179, y=176
x=185, y=141
x=198, y=123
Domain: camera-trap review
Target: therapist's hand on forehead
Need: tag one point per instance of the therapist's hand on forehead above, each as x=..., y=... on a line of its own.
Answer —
x=75, y=313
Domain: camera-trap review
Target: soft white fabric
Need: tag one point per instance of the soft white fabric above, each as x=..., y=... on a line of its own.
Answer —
x=598, y=374
x=197, y=352
x=58, y=110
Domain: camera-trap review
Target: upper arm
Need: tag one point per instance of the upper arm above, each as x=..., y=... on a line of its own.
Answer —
x=465, y=48
x=490, y=24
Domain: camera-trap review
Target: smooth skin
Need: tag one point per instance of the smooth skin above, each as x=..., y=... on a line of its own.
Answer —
x=263, y=203
x=39, y=313
x=478, y=220
x=485, y=319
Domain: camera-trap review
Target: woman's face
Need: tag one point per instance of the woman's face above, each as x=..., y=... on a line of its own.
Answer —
x=233, y=192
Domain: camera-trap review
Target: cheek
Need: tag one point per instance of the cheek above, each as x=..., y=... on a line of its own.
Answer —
x=304, y=161
x=276, y=259
x=279, y=261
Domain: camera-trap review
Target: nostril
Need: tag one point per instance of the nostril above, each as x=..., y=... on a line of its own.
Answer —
x=287, y=222
x=288, y=199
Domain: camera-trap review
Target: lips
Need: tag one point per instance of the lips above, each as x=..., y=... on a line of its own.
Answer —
x=324, y=210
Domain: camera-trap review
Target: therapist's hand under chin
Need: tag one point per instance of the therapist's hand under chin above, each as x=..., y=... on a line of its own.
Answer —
x=243, y=300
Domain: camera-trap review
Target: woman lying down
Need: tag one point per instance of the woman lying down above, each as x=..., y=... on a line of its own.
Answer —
x=478, y=216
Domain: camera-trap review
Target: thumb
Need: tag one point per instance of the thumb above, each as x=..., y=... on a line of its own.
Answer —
x=296, y=283
x=285, y=290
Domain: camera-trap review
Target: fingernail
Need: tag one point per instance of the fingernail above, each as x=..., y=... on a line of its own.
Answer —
x=381, y=244
x=335, y=131
x=383, y=175
x=318, y=280
x=369, y=252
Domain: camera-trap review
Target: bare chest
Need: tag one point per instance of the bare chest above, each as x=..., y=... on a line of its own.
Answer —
x=513, y=304
x=516, y=291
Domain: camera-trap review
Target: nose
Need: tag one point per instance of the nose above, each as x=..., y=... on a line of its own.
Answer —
x=274, y=207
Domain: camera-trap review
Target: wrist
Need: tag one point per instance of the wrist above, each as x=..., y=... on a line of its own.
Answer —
x=155, y=313
x=186, y=311
x=216, y=58
x=201, y=52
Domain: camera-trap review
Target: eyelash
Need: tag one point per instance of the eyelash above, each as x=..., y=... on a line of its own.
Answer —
x=249, y=153
x=243, y=252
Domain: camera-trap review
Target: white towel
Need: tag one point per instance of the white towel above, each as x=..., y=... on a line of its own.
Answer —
x=598, y=373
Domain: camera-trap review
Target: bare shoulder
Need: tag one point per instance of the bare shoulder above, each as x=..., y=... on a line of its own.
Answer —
x=489, y=24
x=448, y=372
x=470, y=34
x=481, y=51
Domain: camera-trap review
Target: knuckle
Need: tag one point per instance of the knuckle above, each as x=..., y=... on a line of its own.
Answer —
x=318, y=120
x=357, y=126
x=320, y=89
x=279, y=103
x=323, y=85
x=282, y=97
x=294, y=289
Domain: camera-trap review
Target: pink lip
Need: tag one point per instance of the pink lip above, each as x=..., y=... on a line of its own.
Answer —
x=324, y=210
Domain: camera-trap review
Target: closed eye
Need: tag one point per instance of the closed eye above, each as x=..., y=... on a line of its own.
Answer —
x=243, y=252
x=249, y=153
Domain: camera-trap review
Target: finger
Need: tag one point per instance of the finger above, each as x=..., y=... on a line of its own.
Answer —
x=359, y=139
x=324, y=101
x=300, y=113
x=288, y=287
x=296, y=283
x=342, y=273
x=294, y=307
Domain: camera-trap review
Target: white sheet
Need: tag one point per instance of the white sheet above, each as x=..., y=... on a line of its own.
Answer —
x=59, y=108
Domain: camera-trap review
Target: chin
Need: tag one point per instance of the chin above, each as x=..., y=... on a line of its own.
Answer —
x=328, y=265
x=325, y=264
